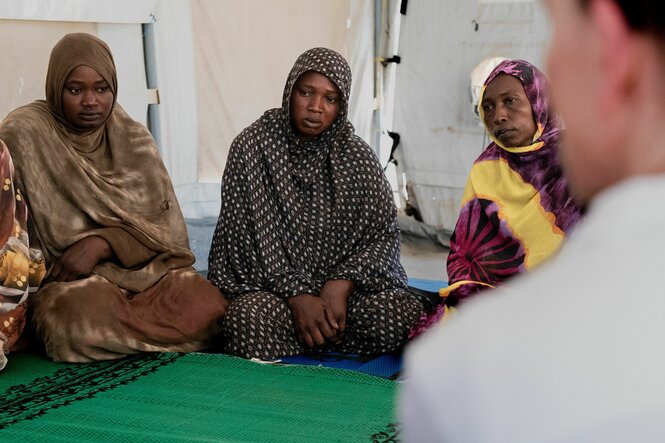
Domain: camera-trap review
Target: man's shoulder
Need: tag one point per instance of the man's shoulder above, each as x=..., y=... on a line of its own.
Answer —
x=485, y=338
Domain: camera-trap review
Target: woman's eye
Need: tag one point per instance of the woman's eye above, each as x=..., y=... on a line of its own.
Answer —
x=487, y=108
x=305, y=93
x=74, y=90
x=511, y=100
x=332, y=100
x=103, y=89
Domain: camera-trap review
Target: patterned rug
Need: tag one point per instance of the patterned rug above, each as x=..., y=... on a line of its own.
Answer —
x=193, y=397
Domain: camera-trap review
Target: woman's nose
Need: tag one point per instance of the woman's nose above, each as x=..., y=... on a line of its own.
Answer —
x=89, y=98
x=500, y=115
x=316, y=104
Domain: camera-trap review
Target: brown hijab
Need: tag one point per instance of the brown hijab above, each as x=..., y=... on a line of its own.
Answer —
x=108, y=181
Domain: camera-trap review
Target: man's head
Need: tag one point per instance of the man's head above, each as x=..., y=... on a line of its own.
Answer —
x=641, y=15
x=607, y=69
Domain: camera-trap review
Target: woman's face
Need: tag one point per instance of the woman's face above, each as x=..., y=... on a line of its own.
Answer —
x=87, y=99
x=507, y=112
x=315, y=104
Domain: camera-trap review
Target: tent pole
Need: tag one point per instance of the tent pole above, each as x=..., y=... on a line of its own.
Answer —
x=150, y=61
x=376, y=133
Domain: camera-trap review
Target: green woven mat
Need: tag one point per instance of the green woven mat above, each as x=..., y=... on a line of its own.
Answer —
x=192, y=397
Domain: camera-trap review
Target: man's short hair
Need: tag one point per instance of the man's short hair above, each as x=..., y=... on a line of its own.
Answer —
x=642, y=15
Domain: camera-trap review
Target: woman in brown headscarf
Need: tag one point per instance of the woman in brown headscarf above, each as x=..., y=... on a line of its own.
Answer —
x=106, y=218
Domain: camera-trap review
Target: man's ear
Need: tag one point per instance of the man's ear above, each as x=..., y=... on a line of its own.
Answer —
x=618, y=57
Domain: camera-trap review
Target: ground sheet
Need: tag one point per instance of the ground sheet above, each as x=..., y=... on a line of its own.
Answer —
x=192, y=397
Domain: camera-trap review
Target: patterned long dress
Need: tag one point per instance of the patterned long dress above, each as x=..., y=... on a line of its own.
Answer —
x=296, y=214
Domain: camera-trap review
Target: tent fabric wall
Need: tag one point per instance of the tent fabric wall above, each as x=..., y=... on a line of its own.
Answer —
x=440, y=44
x=31, y=42
x=95, y=11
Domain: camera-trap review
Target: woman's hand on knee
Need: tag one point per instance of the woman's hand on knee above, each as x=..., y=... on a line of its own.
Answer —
x=81, y=258
x=336, y=293
x=314, y=320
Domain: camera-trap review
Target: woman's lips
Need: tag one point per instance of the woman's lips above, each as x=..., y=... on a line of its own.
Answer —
x=501, y=133
x=311, y=123
x=89, y=115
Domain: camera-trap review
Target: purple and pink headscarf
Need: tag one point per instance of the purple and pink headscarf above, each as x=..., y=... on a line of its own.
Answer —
x=516, y=208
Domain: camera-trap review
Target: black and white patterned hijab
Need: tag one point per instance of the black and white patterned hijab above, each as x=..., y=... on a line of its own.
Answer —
x=296, y=213
x=329, y=63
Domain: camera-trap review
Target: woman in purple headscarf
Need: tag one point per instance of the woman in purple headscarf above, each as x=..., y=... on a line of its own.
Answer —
x=516, y=208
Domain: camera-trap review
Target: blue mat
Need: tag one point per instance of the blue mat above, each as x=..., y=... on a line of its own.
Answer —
x=385, y=365
x=427, y=285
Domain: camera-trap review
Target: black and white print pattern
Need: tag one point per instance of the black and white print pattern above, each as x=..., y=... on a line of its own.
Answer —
x=296, y=213
x=260, y=325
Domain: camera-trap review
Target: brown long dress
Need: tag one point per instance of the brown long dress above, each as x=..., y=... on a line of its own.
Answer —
x=109, y=182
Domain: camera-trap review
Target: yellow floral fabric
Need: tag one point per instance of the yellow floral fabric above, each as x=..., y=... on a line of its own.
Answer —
x=21, y=268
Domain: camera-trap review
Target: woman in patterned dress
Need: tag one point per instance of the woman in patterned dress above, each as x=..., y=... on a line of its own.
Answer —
x=307, y=243
x=516, y=208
